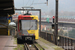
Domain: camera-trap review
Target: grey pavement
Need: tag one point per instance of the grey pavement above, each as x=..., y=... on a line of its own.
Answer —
x=6, y=43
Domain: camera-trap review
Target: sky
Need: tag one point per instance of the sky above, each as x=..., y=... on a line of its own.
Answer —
x=63, y=5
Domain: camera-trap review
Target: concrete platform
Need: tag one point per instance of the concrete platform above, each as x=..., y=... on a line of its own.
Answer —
x=48, y=45
x=6, y=43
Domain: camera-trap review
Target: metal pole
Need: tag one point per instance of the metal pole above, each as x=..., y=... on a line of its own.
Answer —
x=23, y=9
x=40, y=20
x=56, y=23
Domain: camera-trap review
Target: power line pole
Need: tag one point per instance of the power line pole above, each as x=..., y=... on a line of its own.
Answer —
x=56, y=23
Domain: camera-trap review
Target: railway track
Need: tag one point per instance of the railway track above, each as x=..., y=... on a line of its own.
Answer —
x=34, y=46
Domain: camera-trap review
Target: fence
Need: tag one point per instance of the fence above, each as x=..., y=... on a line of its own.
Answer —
x=64, y=42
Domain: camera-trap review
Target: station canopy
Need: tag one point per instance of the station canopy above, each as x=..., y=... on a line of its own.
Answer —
x=6, y=7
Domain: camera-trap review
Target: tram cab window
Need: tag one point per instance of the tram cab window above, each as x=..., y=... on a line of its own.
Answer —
x=29, y=24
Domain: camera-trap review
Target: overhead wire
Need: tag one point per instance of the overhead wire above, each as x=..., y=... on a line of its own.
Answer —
x=23, y=2
x=27, y=2
x=32, y=3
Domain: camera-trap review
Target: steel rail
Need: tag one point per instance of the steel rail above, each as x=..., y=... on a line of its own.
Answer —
x=34, y=47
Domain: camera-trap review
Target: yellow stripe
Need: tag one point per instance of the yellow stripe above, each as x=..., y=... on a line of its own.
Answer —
x=8, y=32
x=35, y=17
x=9, y=21
x=8, y=29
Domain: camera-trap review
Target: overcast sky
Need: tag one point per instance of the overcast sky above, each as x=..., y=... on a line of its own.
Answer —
x=64, y=5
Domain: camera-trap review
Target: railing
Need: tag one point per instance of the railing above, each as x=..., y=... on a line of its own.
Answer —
x=47, y=36
x=65, y=42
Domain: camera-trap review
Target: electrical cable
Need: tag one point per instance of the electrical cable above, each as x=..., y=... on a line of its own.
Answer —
x=32, y=3
x=23, y=2
x=27, y=2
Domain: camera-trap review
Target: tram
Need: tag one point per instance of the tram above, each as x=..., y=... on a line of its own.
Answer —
x=28, y=28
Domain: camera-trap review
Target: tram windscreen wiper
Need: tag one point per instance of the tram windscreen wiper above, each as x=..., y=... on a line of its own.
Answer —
x=30, y=27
